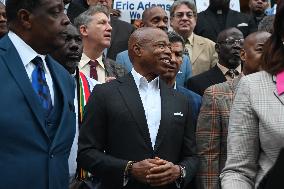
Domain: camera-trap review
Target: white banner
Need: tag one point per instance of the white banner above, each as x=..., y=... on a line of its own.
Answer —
x=201, y=5
x=133, y=9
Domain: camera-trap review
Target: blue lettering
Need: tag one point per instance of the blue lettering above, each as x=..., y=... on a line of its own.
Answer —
x=118, y=5
x=168, y=7
x=131, y=6
x=134, y=15
x=140, y=6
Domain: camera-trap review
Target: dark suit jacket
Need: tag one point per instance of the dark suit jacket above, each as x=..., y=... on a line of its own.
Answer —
x=200, y=82
x=194, y=101
x=115, y=130
x=120, y=34
x=28, y=158
x=74, y=10
x=207, y=24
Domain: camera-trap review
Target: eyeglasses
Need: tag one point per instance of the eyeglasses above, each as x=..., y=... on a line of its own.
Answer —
x=180, y=15
x=231, y=42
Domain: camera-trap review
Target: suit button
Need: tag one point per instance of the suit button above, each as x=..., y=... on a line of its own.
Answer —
x=51, y=156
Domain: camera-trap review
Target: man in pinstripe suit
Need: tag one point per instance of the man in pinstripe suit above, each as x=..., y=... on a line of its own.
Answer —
x=211, y=132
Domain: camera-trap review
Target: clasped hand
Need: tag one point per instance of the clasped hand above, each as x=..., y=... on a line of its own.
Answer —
x=156, y=172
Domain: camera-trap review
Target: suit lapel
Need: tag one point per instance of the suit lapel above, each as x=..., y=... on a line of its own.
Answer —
x=197, y=49
x=18, y=71
x=167, y=103
x=130, y=94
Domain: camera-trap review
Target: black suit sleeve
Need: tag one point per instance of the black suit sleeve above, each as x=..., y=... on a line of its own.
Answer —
x=93, y=141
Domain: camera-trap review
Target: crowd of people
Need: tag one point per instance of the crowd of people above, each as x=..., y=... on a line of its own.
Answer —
x=185, y=100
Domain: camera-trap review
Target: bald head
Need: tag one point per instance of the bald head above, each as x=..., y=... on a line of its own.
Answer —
x=223, y=35
x=259, y=37
x=155, y=16
x=149, y=52
x=140, y=37
x=252, y=51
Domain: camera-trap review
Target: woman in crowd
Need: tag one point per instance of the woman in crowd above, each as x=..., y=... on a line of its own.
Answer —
x=256, y=126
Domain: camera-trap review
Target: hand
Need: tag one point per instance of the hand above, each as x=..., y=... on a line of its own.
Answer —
x=115, y=12
x=140, y=169
x=163, y=174
x=108, y=79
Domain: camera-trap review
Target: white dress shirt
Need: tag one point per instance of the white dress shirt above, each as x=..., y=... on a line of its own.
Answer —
x=27, y=54
x=151, y=99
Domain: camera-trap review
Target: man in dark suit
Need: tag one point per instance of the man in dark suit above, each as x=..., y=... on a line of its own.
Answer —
x=37, y=121
x=218, y=16
x=120, y=33
x=228, y=47
x=72, y=9
x=142, y=135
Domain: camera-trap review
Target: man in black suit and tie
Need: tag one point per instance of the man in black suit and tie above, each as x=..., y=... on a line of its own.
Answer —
x=137, y=132
x=228, y=46
x=218, y=16
x=37, y=120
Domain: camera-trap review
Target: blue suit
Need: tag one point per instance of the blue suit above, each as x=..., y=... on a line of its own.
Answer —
x=181, y=78
x=194, y=101
x=34, y=145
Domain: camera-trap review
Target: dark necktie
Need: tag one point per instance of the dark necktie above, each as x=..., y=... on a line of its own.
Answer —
x=40, y=85
x=93, y=69
x=232, y=73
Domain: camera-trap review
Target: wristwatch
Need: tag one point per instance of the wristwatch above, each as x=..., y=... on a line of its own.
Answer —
x=182, y=172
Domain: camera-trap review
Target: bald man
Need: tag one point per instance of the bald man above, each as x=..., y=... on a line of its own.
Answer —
x=141, y=136
x=212, y=124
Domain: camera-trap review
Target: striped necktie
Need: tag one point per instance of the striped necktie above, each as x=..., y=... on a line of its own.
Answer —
x=40, y=85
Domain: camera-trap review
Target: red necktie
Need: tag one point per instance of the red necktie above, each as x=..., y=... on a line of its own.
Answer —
x=93, y=71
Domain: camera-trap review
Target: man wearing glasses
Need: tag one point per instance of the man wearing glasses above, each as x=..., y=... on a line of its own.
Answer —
x=201, y=50
x=229, y=43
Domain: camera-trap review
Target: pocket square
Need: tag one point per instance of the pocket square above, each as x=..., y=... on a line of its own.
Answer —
x=178, y=114
x=242, y=24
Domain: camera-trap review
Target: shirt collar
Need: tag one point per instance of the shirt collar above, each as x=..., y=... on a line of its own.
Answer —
x=26, y=53
x=139, y=79
x=225, y=70
x=280, y=83
x=85, y=60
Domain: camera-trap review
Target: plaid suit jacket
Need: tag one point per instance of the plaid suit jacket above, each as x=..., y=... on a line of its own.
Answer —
x=211, y=132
